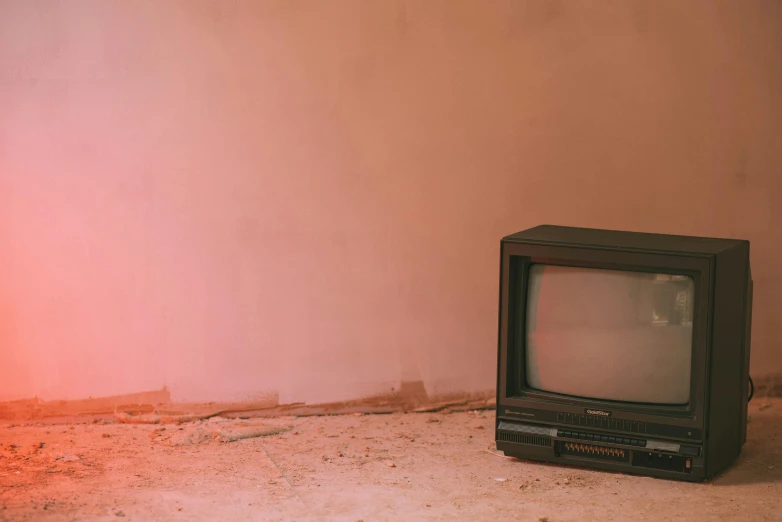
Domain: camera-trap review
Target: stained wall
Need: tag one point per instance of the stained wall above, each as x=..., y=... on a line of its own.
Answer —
x=233, y=198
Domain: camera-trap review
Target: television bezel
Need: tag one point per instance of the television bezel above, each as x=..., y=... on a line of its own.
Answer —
x=517, y=258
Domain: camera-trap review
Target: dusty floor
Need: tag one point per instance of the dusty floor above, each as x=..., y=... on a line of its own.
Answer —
x=418, y=466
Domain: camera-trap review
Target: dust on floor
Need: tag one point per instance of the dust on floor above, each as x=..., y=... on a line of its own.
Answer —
x=417, y=466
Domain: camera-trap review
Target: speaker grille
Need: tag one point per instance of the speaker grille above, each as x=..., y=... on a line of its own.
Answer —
x=519, y=438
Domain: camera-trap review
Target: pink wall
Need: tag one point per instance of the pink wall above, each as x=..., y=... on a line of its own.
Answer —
x=231, y=198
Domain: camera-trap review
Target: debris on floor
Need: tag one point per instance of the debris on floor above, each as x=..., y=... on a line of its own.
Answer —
x=415, y=466
x=201, y=432
x=68, y=458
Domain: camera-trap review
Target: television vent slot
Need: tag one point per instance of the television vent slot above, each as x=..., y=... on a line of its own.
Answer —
x=519, y=438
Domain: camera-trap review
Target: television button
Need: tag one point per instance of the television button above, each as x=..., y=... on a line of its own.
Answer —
x=635, y=426
x=626, y=442
x=689, y=450
x=569, y=418
x=641, y=427
x=560, y=417
x=603, y=438
x=612, y=424
x=604, y=422
x=582, y=420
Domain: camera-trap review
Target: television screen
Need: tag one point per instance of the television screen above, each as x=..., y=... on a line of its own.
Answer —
x=609, y=334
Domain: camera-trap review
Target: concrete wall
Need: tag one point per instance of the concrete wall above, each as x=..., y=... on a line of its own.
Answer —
x=232, y=198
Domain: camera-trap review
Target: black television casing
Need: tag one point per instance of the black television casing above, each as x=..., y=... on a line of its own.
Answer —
x=690, y=442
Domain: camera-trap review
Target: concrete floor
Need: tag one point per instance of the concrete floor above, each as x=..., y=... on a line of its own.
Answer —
x=423, y=466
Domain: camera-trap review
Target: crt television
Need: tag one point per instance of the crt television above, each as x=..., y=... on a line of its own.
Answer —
x=624, y=351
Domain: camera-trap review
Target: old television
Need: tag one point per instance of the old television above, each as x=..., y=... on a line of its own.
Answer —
x=624, y=351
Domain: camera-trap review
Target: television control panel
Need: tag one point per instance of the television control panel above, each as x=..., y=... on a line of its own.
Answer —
x=596, y=437
x=634, y=452
x=587, y=422
x=604, y=422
